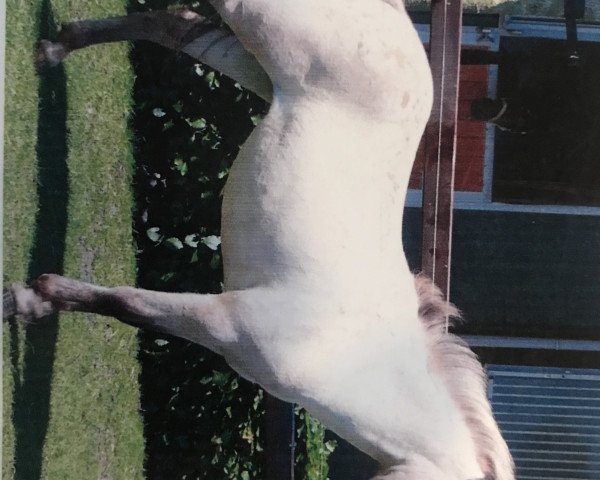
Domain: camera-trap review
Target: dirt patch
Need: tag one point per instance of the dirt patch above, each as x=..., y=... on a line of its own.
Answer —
x=88, y=255
x=105, y=449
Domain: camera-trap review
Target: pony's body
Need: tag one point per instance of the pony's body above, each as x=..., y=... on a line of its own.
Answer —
x=320, y=307
x=312, y=232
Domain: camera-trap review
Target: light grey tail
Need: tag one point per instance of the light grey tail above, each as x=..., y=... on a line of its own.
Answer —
x=465, y=378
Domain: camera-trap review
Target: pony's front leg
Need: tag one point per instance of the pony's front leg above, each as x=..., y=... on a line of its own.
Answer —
x=204, y=319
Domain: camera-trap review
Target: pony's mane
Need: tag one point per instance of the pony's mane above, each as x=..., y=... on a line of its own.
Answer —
x=465, y=379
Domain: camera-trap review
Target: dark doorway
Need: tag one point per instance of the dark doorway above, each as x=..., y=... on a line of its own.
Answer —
x=554, y=160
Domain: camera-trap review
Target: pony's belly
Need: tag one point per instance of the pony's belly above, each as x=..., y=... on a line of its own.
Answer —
x=309, y=232
x=336, y=260
x=305, y=198
x=254, y=252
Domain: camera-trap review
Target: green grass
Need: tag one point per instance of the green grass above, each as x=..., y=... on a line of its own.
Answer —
x=71, y=393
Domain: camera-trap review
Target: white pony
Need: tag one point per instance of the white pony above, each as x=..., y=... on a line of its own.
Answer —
x=318, y=184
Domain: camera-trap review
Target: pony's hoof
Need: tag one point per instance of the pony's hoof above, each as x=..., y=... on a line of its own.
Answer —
x=49, y=55
x=25, y=301
x=9, y=304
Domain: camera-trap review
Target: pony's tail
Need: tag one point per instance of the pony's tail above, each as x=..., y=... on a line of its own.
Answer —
x=465, y=379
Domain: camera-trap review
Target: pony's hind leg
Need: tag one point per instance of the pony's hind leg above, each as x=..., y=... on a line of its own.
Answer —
x=171, y=29
x=204, y=319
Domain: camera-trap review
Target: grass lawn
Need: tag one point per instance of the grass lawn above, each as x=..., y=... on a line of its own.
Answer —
x=71, y=393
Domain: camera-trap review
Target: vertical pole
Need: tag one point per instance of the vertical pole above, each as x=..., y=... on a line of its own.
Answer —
x=2, y=69
x=280, y=439
x=573, y=10
x=440, y=141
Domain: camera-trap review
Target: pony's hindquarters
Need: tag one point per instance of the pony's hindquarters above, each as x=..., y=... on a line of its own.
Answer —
x=365, y=53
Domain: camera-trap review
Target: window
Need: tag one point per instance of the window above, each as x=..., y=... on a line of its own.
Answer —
x=550, y=418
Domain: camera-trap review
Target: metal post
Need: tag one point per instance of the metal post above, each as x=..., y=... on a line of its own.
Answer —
x=574, y=10
x=440, y=141
x=280, y=439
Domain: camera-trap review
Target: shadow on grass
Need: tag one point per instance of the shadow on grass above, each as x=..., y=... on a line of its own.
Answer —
x=32, y=390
